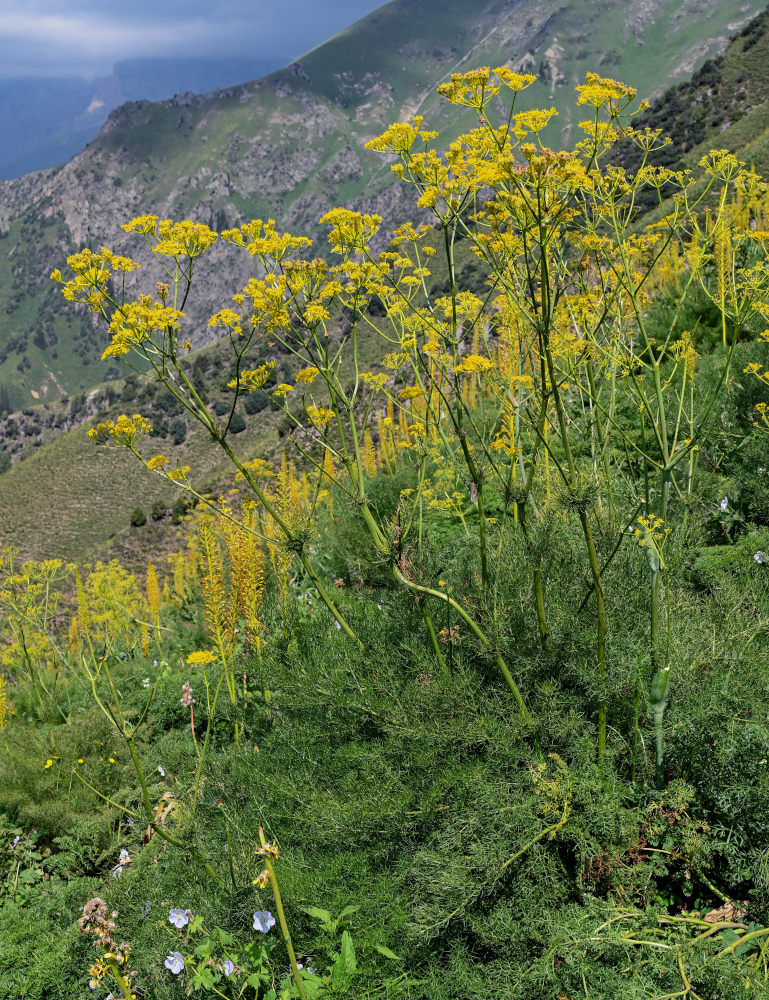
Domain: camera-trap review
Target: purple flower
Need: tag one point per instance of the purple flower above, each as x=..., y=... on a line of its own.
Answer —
x=174, y=962
x=263, y=921
x=229, y=966
x=179, y=918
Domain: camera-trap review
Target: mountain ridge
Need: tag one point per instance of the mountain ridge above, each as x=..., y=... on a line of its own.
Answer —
x=289, y=146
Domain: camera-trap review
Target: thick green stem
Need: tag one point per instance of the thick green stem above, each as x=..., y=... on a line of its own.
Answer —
x=600, y=632
x=119, y=978
x=450, y=602
x=433, y=637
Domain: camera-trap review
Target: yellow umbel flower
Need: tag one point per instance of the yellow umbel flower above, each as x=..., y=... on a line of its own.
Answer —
x=319, y=417
x=603, y=92
x=262, y=240
x=253, y=378
x=183, y=239
x=350, y=230
x=124, y=432
x=201, y=657
x=473, y=364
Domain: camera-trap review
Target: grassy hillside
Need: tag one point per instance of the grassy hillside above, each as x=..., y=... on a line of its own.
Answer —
x=725, y=104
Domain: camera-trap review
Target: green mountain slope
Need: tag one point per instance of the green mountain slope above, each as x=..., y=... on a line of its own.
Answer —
x=289, y=146
x=724, y=105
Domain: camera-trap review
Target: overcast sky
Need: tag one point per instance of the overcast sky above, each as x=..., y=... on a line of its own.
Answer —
x=86, y=37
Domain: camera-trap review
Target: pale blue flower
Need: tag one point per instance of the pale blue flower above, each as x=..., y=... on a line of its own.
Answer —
x=161, y=771
x=229, y=966
x=174, y=962
x=179, y=918
x=724, y=504
x=263, y=921
x=309, y=968
x=761, y=557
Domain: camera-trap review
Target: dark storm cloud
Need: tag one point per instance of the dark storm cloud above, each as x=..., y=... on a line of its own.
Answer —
x=86, y=37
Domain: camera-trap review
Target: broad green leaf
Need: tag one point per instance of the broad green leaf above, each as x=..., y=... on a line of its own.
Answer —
x=387, y=953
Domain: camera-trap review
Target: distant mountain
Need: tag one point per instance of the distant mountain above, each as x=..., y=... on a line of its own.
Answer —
x=724, y=105
x=45, y=121
x=290, y=145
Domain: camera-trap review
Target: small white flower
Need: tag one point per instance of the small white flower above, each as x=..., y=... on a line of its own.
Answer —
x=174, y=962
x=338, y=625
x=761, y=557
x=161, y=771
x=724, y=504
x=263, y=921
x=178, y=917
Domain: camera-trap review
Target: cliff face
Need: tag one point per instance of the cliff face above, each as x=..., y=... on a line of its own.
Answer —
x=290, y=145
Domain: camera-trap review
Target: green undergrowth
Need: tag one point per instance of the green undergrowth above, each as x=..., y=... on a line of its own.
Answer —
x=487, y=858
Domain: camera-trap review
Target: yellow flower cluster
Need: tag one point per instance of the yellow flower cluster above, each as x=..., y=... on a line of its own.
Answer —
x=125, y=431
x=92, y=273
x=261, y=239
x=375, y=382
x=135, y=323
x=473, y=364
x=307, y=375
x=253, y=378
x=602, y=92
x=319, y=416
x=201, y=657
x=268, y=301
x=227, y=319
x=400, y=137
x=350, y=230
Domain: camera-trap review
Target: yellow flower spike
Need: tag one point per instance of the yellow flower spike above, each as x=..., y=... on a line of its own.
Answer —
x=157, y=462
x=261, y=239
x=177, y=475
x=282, y=390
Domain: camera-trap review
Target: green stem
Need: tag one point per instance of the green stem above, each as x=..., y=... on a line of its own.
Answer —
x=433, y=637
x=450, y=602
x=282, y=919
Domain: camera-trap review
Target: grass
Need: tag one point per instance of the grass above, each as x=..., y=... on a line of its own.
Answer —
x=402, y=789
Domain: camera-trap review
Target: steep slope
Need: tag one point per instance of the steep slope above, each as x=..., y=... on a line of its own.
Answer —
x=725, y=105
x=290, y=145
